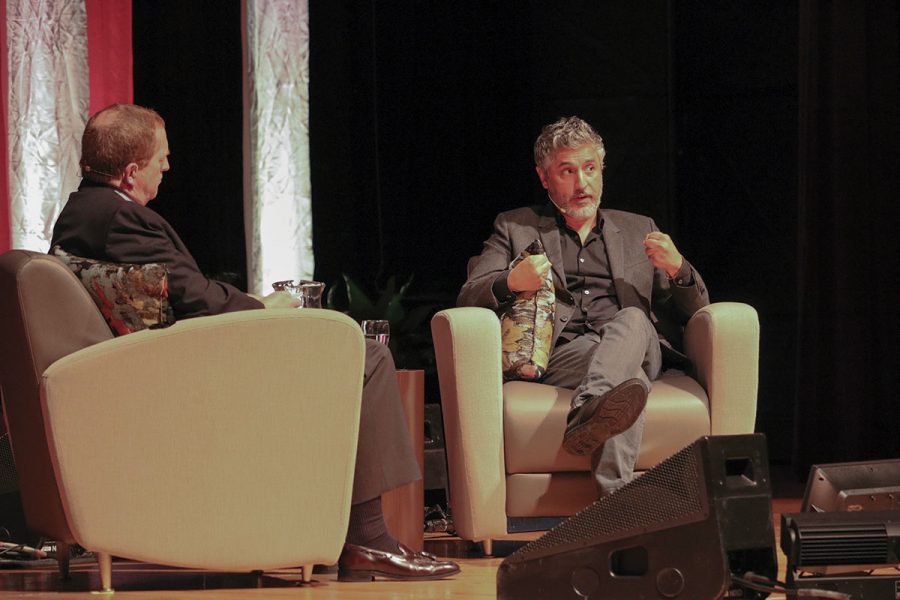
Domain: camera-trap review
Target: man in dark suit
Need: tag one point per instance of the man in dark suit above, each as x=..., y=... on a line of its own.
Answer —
x=124, y=156
x=618, y=280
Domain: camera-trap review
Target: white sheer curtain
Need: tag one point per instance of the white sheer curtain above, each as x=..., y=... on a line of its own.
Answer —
x=48, y=106
x=277, y=217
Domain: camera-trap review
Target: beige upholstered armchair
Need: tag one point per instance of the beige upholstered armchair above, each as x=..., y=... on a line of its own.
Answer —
x=224, y=443
x=503, y=440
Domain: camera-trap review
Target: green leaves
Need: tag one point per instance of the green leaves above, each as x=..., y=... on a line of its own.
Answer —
x=359, y=305
x=410, y=329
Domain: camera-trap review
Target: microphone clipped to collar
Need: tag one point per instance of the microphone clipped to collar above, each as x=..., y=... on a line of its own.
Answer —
x=88, y=169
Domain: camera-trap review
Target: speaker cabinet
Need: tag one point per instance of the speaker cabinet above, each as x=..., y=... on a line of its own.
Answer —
x=12, y=515
x=9, y=480
x=680, y=530
x=435, y=453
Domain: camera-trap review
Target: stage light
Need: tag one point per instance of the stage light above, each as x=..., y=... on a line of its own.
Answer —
x=849, y=527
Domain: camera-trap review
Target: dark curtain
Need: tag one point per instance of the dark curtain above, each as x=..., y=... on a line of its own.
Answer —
x=848, y=405
x=187, y=66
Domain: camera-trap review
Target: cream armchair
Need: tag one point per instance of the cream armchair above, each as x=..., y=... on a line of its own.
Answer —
x=503, y=440
x=223, y=443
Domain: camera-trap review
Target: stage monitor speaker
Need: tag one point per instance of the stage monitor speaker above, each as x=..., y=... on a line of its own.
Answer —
x=680, y=530
x=12, y=515
x=9, y=480
x=435, y=474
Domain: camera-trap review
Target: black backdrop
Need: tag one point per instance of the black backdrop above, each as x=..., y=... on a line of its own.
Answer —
x=848, y=242
x=422, y=121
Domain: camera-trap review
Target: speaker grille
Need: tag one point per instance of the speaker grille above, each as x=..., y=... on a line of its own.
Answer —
x=9, y=481
x=669, y=494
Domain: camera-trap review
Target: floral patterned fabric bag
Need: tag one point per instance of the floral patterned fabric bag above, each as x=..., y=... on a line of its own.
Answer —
x=527, y=326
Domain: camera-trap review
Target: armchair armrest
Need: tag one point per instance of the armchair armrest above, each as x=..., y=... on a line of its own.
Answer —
x=468, y=354
x=722, y=341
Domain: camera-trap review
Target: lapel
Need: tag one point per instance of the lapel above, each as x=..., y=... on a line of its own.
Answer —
x=549, y=234
x=615, y=250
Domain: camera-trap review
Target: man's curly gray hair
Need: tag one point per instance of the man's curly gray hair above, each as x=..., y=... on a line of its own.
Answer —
x=567, y=132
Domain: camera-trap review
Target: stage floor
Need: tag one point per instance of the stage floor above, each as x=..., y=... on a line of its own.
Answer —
x=137, y=580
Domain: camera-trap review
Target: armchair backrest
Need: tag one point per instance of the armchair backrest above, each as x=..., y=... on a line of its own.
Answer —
x=45, y=314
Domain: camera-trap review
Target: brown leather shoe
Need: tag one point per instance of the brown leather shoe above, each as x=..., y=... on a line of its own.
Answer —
x=602, y=417
x=410, y=553
x=358, y=563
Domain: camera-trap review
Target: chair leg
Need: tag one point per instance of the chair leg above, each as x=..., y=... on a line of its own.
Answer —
x=62, y=559
x=488, y=546
x=104, y=561
x=307, y=573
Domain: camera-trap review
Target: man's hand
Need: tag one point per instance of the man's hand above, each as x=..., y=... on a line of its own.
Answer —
x=662, y=252
x=529, y=274
x=280, y=299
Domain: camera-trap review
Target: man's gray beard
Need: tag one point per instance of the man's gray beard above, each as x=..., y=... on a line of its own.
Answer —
x=575, y=213
x=585, y=212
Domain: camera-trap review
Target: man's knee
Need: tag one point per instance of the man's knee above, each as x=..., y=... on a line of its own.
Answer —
x=376, y=349
x=634, y=318
x=377, y=356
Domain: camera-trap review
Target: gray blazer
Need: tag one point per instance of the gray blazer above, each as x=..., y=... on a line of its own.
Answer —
x=668, y=305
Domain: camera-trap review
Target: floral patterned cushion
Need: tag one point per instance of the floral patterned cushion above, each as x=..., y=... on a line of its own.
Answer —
x=526, y=327
x=130, y=297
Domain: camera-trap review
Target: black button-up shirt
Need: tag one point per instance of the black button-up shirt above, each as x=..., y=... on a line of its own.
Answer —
x=588, y=279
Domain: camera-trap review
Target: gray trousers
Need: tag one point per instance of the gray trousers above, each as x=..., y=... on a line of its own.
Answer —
x=626, y=347
x=384, y=454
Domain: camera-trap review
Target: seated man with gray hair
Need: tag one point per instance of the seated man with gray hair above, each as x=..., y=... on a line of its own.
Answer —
x=614, y=275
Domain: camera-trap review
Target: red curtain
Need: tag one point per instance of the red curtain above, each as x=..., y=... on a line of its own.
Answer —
x=109, y=53
x=5, y=231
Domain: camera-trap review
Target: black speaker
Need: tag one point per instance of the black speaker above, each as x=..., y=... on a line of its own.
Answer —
x=435, y=453
x=9, y=480
x=12, y=515
x=680, y=530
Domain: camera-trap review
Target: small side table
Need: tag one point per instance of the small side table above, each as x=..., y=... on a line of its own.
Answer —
x=404, y=507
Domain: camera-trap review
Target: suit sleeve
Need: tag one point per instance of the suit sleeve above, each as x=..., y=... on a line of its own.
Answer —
x=682, y=296
x=488, y=271
x=141, y=236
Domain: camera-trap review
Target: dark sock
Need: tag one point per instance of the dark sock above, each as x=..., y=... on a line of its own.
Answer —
x=367, y=527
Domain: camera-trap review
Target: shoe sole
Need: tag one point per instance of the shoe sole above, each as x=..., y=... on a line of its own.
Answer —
x=619, y=411
x=363, y=576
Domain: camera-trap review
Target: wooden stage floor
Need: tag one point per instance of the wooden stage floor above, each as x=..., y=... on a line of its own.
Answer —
x=141, y=581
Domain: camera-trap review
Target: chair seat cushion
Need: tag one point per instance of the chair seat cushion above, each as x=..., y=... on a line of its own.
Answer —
x=548, y=494
x=534, y=420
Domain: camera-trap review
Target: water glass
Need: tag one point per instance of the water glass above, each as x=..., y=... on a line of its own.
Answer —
x=309, y=293
x=377, y=329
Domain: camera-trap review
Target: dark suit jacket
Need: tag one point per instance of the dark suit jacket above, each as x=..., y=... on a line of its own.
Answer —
x=98, y=223
x=637, y=282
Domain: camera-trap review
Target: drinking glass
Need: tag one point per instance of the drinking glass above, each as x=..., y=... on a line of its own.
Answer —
x=309, y=293
x=377, y=329
x=285, y=285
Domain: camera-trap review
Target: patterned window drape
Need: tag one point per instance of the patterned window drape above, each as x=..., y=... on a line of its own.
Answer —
x=47, y=107
x=277, y=205
x=62, y=59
